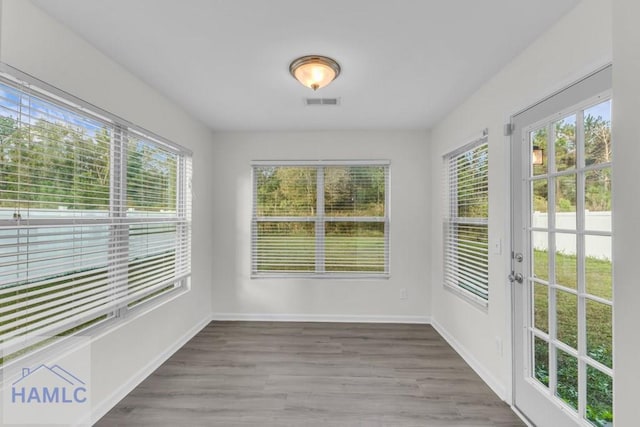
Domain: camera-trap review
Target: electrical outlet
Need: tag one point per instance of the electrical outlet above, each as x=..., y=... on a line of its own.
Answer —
x=403, y=293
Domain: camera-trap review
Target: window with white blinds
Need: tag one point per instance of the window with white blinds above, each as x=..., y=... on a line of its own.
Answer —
x=320, y=219
x=95, y=216
x=466, y=239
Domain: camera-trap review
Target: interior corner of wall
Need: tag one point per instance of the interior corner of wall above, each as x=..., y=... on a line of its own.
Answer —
x=489, y=377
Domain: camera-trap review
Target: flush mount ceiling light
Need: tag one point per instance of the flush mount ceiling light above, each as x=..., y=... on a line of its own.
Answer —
x=314, y=71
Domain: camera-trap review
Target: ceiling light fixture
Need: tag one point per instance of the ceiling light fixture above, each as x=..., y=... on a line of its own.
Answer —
x=314, y=71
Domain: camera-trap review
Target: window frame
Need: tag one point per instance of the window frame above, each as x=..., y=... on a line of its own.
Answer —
x=122, y=130
x=451, y=219
x=320, y=219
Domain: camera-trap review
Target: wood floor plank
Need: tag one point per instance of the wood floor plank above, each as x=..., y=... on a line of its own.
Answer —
x=313, y=374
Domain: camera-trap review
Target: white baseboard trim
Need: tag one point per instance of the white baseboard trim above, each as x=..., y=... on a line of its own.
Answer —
x=495, y=385
x=265, y=317
x=100, y=409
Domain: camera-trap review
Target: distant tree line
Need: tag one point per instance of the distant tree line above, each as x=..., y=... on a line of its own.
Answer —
x=348, y=191
x=472, y=185
x=597, y=150
x=353, y=191
x=53, y=165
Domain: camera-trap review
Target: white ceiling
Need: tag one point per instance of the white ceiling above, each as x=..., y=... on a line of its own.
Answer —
x=405, y=63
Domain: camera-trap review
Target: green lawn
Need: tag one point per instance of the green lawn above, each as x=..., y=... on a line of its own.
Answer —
x=359, y=254
x=599, y=331
x=60, y=288
x=599, y=320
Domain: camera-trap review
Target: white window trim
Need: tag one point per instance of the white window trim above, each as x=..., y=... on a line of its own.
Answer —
x=320, y=219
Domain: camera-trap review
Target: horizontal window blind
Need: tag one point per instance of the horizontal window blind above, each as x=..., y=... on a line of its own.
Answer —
x=53, y=159
x=95, y=217
x=158, y=218
x=320, y=218
x=466, y=242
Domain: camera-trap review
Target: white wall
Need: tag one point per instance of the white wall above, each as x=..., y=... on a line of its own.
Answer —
x=578, y=44
x=237, y=296
x=34, y=43
x=626, y=206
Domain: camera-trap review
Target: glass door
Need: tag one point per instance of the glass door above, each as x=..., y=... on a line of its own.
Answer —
x=562, y=237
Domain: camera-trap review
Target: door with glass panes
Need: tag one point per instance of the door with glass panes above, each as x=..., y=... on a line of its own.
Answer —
x=561, y=257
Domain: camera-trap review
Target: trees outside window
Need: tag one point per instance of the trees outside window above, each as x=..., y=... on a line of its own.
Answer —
x=319, y=218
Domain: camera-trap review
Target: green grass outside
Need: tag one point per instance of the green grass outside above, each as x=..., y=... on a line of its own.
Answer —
x=599, y=332
x=599, y=321
x=360, y=254
x=135, y=269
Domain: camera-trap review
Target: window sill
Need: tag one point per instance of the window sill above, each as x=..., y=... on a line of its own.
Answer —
x=468, y=297
x=322, y=276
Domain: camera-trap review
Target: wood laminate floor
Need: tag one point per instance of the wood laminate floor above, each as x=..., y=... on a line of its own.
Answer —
x=313, y=374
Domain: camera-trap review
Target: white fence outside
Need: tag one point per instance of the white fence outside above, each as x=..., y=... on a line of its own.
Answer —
x=53, y=245
x=595, y=246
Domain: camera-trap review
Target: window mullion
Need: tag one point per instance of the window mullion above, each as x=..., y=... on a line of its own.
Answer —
x=118, y=230
x=387, y=219
x=254, y=220
x=320, y=231
x=183, y=195
x=580, y=263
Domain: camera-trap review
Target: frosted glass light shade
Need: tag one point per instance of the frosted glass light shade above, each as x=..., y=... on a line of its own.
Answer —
x=314, y=71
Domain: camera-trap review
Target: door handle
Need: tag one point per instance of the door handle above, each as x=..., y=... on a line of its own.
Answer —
x=516, y=277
